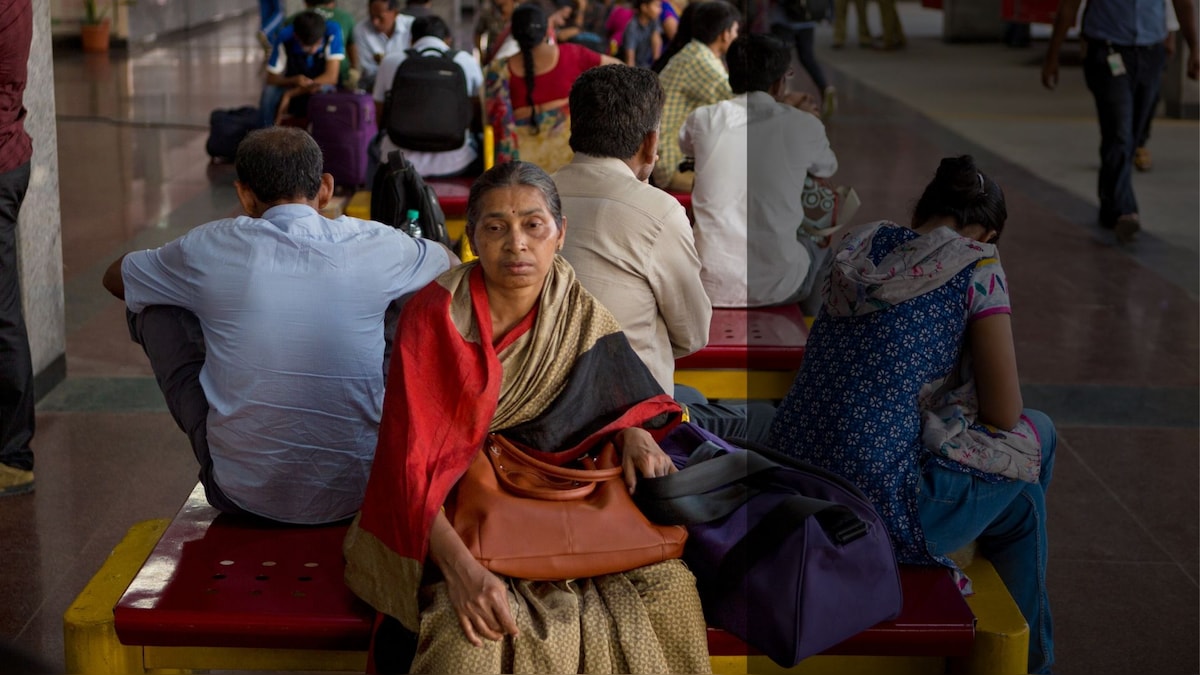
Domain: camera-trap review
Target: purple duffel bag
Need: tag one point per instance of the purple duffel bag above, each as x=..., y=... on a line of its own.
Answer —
x=788, y=557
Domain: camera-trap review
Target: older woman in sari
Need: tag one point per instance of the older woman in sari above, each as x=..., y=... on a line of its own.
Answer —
x=513, y=344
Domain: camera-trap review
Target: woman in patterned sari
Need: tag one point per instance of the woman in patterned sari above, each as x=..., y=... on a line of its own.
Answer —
x=527, y=93
x=909, y=389
x=513, y=344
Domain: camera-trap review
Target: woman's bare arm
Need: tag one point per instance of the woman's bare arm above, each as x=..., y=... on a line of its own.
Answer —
x=479, y=597
x=994, y=360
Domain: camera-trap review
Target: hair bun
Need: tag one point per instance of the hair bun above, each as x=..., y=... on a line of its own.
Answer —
x=961, y=177
x=528, y=25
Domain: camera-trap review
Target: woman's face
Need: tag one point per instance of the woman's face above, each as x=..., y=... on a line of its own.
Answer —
x=516, y=237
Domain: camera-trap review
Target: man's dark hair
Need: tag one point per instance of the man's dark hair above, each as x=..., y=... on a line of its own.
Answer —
x=757, y=61
x=309, y=27
x=613, y=108
x=279, y=164
x=430, y=26
x=318, y=3
x=713, y=18
x=392, y=5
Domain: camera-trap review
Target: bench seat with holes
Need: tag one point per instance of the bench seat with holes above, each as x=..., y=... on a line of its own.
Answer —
x=751, y=353
x=210, y=592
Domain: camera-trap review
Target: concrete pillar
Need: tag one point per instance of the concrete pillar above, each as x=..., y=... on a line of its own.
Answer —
x=971, y=21
x=39, y=228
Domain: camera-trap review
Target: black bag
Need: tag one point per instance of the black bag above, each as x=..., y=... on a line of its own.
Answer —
x=226, y=129
x=428, y=108
x=397, y=189
x=805, y=10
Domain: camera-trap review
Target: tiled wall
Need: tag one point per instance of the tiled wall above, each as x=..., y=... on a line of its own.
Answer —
x=39, y=230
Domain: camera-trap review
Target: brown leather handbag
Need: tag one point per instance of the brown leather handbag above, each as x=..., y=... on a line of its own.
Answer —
x=526, y=518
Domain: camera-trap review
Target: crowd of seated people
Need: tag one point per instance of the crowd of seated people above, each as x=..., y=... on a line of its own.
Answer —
x=582, y=140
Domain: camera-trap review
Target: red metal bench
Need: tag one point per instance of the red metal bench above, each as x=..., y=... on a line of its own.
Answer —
x=452, y=194
x=751, y=353
x=220, y=593
x=684, y=199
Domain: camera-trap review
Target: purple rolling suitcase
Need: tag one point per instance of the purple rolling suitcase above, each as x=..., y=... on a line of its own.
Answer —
x=343, y=124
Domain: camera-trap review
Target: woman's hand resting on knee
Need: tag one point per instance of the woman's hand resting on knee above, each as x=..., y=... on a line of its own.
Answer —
x=479, y=597
x=640, y=454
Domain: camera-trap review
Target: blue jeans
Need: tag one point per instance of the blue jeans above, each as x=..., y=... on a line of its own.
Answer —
x=1124, y=104
x=268, y=104
x=1008, y=519
x=272, y=96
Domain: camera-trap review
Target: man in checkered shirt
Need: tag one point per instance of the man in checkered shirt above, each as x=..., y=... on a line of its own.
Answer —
x=694, y=77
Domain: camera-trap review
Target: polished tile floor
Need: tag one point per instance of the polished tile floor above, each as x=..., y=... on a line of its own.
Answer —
x=1106, y=336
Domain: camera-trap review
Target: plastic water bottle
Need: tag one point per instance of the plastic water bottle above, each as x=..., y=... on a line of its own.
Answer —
x=412, y=226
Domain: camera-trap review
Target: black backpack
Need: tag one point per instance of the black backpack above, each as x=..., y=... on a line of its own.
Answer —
x=428, y=108
x=397, y=189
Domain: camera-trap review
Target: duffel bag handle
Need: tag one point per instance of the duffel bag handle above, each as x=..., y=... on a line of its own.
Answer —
x=713, y=485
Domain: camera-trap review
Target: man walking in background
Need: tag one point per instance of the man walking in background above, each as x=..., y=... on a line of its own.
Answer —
x=1123, y=66
x=16, y=151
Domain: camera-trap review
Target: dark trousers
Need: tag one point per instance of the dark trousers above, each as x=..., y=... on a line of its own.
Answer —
x=750, y=420
x=803, y=38
x=1124, y=103
x=16, y=365
x=174, y=343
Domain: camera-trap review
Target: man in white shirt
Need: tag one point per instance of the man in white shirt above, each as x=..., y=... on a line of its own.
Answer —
x=748, y=213
x=266, y=333
x=429, y=33
x=384, y=31
x=631, y=243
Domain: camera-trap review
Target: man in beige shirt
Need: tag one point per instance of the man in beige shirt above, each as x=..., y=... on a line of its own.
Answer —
x=630, y=243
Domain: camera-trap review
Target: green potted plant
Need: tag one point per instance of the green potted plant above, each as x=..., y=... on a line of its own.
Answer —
x=96, y=25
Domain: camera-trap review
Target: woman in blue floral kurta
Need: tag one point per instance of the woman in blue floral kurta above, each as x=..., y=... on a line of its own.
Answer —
x=909, y=389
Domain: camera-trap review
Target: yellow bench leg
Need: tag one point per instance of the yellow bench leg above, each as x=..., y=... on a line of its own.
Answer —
x=1001, y=634
x=90, y=642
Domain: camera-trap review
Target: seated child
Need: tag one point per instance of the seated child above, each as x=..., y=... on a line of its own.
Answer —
x=305, y=60
x=642, y=42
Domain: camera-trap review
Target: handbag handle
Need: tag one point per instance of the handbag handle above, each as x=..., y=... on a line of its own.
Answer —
x=522, y=474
